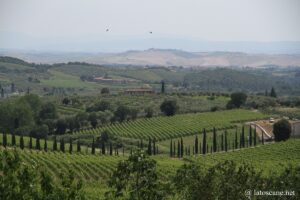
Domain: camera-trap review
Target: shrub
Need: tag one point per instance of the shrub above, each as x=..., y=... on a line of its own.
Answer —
x=282, y=130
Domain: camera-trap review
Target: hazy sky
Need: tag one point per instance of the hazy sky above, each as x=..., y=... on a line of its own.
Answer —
x=214, y=20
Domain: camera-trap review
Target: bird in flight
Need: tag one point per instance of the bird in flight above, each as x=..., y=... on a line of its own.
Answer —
x=150, y=32
x=107, y=30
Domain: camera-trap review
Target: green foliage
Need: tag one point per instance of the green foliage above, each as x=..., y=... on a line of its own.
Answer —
x=169, y=107
x=282, y=130
x=19, y=180
x=135, y=178
x=237, y=100
x=104, y=91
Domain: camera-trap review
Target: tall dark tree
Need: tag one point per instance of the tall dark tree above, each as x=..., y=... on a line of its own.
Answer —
x=45, y=145
x=22, y=142
x=54, y=148
x=243, y=137
x=214, y=140
x=93, y=146
x=162, y=87
x=103, y=147
x=237, y=100
x=250, y=136
x=110, y=149
x=174, y=149
x=178, y=149
x=196, y=145
x=149, y=147
x=37, y=144
x=236, y=139
x=273, y=93
x=2, y=93
x=262, y=138
x=181, y=147
x=13, y=140
x=226, y=144
x=4, y=139
x=204, y=142
x=71, y=145
x=154, y=147
x=62, y=145
x=78, y=146
x=30, y=142
x=142, y=144
x=200, y=148
x=171, y=148
x=254, y=138
x=222, y=142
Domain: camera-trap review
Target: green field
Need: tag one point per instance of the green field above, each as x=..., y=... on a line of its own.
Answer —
x=95, y=170
x=162, y=128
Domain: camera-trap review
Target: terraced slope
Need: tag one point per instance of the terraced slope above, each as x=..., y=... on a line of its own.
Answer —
x=162, y=128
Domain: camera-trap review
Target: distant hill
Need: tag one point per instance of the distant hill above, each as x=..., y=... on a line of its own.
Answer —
x=165, y=57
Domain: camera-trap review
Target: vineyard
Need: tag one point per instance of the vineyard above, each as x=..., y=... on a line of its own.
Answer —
x=163, y=128
x=95, y=170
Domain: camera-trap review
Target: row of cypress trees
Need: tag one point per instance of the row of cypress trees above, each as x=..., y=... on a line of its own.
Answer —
x=61, y=148
x=225, y=145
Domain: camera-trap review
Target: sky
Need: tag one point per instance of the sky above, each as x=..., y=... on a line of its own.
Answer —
x=72, y=24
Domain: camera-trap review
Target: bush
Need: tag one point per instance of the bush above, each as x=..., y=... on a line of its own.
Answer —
x=282, y=130
x=169, y=107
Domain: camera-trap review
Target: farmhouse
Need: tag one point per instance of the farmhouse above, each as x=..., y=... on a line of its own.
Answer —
x=295, y=128
x=139, y=91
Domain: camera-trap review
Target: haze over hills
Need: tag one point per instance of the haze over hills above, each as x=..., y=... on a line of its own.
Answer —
x=162, y=57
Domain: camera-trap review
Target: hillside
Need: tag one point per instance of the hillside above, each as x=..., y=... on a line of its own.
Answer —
x=164, y=57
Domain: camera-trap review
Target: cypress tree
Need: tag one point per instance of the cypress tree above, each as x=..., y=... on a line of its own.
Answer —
x=254, y=139
x=273, y=93
x=30, y=142
x=250, y=136
x=181, y=147
x=214, y=140
x=130, y=151
x=78, y=146
x=4, y=139
x=226, y=145
x=222, y=142
x=200, y=151
x=142, y=144
x=149, y=148
x=93, y=146
x=37, y=144
x=162, y=87
x=178, y=149
x=174, y=149
x=45, y=145
x=196, y=145
x=22, y=142
x=171, y=148
x=103, y=147
x=236, y=139
x=243, y=137
x=154, y=147
x=204, y=142
x=62, y=145
x=123, y=150
x=189, y=150
x=54, y=144
x=111, y=149
x=13, y=140
x=71, y=145
x=262, y=138
x=193, y=150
